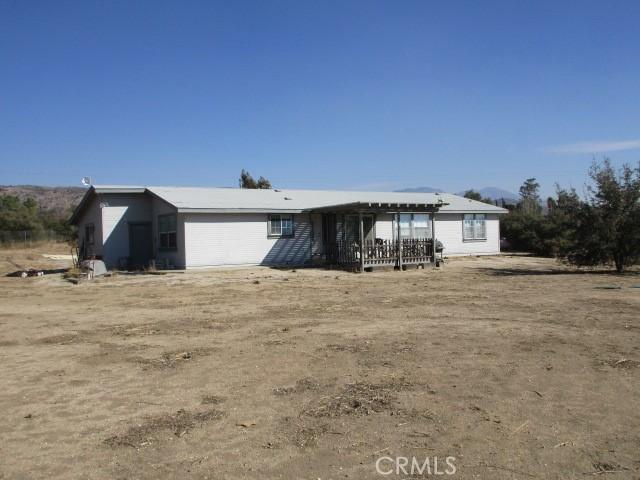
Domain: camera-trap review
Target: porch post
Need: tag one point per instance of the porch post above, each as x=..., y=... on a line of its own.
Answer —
x=399, y=241
x=433, y=237
x=361, y=242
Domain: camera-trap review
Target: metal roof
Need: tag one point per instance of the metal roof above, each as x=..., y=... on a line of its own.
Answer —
x=223, y=200
x=237, y=199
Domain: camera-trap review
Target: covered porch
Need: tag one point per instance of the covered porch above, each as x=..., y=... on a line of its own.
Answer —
x=349, y=237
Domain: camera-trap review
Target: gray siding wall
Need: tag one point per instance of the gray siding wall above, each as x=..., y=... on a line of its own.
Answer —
x=220, y=239
x=118, y=210
x=91, y=215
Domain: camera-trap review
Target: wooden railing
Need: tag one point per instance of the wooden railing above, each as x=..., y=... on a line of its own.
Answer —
x=416, y=251
x=380, y=253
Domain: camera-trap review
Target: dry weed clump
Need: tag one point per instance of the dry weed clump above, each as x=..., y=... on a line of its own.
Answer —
x=172, y=359
x=302, y=385
x=161, y=427
x=359, y=399
x=623, y=363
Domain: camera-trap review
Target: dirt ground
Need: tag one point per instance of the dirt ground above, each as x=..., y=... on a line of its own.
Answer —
x=517, y=367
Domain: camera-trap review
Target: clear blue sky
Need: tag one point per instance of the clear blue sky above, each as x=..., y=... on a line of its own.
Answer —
x=322, y=94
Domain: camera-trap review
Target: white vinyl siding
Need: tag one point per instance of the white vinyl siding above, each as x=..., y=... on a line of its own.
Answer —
x=385, y=226
x=449, y=230
x=226, y=239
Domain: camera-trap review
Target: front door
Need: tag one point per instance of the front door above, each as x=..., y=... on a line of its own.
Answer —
x=140, y=244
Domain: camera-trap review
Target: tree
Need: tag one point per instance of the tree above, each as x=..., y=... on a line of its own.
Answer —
x=247, y=181
x=264, y=183
x=607, y=226
x=523, y=226
x=16, y=215
x=557, y=230
x=473, y=195
x=529, y=196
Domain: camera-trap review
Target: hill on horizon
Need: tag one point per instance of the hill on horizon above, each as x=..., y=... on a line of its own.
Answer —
x=494, y=193
x=421, y=190
x=60, y=200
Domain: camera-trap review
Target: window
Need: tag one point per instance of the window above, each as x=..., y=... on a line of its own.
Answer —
x=352, y=228
x=280, y=225
x=414, y=225
x=474, y=226
x=405, y=225
x=89, y=234
x=421, y=225
x=167, y=231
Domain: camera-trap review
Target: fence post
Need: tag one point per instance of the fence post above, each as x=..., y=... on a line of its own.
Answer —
x=399, y=241
x=433, y=238
x=361, y=242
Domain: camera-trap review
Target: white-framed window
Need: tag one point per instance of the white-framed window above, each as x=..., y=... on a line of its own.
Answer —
x=89, y=234
x=167, y=232
x=414, y=225
x=474, y=226
x=280, y=225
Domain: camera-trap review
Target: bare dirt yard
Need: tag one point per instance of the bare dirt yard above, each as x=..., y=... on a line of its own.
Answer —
x=518, y=367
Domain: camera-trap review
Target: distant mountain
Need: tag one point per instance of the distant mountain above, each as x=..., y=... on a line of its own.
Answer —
x=495, y=193
x=57, y=199
x=421, y=190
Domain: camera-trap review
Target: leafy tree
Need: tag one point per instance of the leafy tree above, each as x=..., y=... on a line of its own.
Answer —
x=473, y=195
x=263, y=183
x=16, y=215
x=557, y=229
x=247, y=181
x=524, y=230
x=523, y=226
x=529, y=196
x=607, y=226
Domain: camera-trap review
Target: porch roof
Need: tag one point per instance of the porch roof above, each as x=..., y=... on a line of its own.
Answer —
x=382, y=207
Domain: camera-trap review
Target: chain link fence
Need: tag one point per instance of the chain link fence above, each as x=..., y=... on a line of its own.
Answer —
x=30, y=238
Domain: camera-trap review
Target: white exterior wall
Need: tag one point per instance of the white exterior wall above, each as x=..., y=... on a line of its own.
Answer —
x=176, y=257
x=91, y=215
x=226, y=239
x=118, y=210
x=384, y=226
x=449, y=232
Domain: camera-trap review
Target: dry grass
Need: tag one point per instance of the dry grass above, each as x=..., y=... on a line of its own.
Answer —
x=517, y=366
x=158, y=428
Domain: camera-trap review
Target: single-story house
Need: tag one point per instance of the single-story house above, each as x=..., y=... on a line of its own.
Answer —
x=188, y=227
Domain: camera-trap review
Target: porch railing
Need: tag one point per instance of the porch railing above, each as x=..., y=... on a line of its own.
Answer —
x=380, y=253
